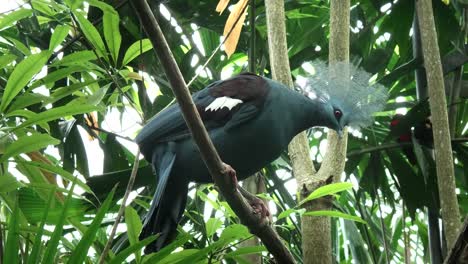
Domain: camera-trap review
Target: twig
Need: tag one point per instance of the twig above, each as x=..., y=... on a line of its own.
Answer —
x=221, y=173
x=122, y=207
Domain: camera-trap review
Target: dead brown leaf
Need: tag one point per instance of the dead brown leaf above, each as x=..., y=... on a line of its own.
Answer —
x=237, y=15
x=222, y=4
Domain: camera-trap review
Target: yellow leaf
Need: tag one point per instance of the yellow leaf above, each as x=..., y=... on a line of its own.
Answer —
x=221, y=6
x=447, y=2
x=237, y=15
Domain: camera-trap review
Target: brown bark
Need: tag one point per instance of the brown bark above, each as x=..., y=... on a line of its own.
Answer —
x=221, y=173
x=440, y=124
x=255, y=185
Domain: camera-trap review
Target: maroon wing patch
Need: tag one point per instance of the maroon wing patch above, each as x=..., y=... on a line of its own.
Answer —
x=247, y=87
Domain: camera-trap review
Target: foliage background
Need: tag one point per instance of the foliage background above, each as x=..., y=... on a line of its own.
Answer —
x=72, y=96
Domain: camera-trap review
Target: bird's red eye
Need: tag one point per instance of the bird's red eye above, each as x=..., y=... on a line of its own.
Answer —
x=338, y=114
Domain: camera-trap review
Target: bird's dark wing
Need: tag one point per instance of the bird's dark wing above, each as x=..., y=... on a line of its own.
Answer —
x=216, y=105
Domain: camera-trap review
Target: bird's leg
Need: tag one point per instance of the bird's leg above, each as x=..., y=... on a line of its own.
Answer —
x=258, y=205
x=232, y=173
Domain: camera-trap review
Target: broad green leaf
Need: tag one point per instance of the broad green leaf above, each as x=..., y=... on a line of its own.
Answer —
x=60, y=33
x=27, y=144
x=80, y=252
x=19, y=46
x=288, y=212
x=167, y=250
x=62, y=92
x=327, y=190
x=245, y=251
x=112, y=34
x=8, y=183
x=212, y=225
x=111, y=22
x=91, y=34
x=135, y=248
x=336, y=214
x=6, y=59
x=134, y=226
x=11, y=249
x=76, y=58
x=10, y=18
x=57, y=170
x=52, y=245
x=21, y=75
x=58, y=112
x=234, y=232
x=136, y=49
x=57, y=75
x=180, y=257
x=34, y=256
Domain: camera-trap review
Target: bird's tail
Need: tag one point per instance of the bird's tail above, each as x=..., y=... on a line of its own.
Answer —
x=167, y=206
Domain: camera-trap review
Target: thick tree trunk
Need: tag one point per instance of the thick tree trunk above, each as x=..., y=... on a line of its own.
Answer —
x=316, y=231
x=438, y=105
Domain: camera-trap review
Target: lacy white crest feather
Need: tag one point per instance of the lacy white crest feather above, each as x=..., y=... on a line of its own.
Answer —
x=356, y=96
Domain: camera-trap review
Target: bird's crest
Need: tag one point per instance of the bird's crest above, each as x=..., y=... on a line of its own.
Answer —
x=356, y=96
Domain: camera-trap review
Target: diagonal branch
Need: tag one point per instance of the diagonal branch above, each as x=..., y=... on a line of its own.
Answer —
x=220, y=172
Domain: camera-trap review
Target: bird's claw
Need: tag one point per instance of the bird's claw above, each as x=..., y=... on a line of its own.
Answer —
x=232, y=174
x=259, y=207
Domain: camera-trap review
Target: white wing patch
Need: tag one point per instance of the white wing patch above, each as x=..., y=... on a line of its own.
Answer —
x=221, y=102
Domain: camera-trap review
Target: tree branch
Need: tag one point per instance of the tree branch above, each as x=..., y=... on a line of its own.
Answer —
x=437, y=102
x=221, y=173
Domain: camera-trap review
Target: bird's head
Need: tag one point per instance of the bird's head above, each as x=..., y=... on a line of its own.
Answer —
x=345, y=101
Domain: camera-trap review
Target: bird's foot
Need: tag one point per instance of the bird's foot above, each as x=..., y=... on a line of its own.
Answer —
x=232, y=174
x=259, y=207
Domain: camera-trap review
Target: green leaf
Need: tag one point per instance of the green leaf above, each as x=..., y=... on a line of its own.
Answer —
x=91, y=34
x=112, y=33
x=57, y=75
x=56, y=113
x=336, y=214
x=135, y=248
x=21, y=75
x=19, y=46
x=80, y=252
x=6, y=59
x=34, y=256
x=134, y=50
x=27, y=144
x=52, y=244
x=8, y=183
x=327, y=190
x=290, y=211
x=134, y=226
x=60, y=33
x=57, y=170
x=212, y=225
x=11, y=249
x=245, y=251
x=76, y=58
x=10, y=18
x=234, y=232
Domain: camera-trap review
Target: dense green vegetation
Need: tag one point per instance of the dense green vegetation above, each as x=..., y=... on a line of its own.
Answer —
x=78, y=79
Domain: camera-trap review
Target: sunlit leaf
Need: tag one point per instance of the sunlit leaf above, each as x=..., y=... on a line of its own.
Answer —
x=10, y=18
x=335, y=214
x=328, y=190
x=91, y=34
x=212, y=225
x=137, y=48
x=21, y=75
x=26, y=144
x=60, y=33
